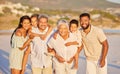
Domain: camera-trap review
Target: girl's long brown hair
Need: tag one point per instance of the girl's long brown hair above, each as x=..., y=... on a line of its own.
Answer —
x=19, y=25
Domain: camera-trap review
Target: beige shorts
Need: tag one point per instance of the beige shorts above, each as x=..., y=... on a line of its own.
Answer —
x=47, y=70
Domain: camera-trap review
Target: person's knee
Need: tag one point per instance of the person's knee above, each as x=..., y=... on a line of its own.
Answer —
x=14, y=71
x=27, y=52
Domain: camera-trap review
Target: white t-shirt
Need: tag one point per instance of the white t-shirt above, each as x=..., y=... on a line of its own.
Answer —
x=79, y=37
x=38, y=50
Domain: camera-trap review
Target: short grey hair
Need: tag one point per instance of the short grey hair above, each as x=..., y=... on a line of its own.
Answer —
x=43, y=16
x=62, y=22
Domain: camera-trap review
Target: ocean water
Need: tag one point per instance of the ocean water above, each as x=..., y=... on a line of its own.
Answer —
x=114, y=1
x=110, y=31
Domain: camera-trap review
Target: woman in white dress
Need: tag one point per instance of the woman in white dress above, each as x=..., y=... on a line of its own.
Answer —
x=19, y=42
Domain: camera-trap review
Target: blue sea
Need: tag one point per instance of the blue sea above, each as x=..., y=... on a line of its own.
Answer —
x=107, y=31
x=114, y=1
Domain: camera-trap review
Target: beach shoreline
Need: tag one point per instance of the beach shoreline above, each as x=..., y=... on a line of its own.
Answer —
x=113, y=56
x=114, y=1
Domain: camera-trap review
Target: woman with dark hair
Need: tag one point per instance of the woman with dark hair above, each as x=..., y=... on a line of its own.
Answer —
x=19, y=42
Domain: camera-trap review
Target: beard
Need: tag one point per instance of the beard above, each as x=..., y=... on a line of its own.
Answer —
x=84, y=28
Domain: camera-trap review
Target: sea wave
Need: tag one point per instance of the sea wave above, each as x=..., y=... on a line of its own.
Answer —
x=114, y=1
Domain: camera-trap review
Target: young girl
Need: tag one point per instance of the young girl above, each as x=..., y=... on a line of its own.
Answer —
x=32, y=30
x=18, y=38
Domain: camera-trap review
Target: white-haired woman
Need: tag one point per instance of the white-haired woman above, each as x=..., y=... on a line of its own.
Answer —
x=63, y=53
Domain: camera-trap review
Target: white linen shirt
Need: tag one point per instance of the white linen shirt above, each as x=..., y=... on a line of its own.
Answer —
x=66, y=52
x=93, y=43
x=38, y=49
x=79, y=37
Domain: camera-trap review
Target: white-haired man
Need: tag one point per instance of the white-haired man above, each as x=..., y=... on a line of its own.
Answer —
x=41, y=63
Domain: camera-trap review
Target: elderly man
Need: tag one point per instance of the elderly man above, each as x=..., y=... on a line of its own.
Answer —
x=41, y=63
x=63, y=53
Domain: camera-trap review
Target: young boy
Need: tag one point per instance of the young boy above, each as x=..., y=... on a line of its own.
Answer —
x=73, y=27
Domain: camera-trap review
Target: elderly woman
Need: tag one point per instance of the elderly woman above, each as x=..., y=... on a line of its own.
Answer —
x=63, y=53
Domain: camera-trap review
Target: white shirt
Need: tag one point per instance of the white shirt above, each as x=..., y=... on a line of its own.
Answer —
x=79, y=37
x=66, y=52
x=38, y=49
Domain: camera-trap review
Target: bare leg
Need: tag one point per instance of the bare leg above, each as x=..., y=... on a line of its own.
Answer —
x=25, y=58
x=15, y=71
x=76, y=60
x=12, y=71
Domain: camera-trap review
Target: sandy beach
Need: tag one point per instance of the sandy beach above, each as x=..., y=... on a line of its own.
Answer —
x=113, y=56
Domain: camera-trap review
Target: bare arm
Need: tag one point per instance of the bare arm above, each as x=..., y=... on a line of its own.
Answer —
x=49, y=30
x=80, y=48
x=25, y=44
x=36, y=35
x=59, y=58
x=30, y=33
x=19, y=33
x=77, y=56
x=50, y=50
x=76, y=60
x=104, y=53
x=25, y=59
x=71, y=43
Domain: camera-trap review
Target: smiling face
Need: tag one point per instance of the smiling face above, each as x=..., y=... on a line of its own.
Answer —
x=84, y=22
x=43, y=23
x=26, y=24
x=34, y=21
x=63, y=30
x=73, y=28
